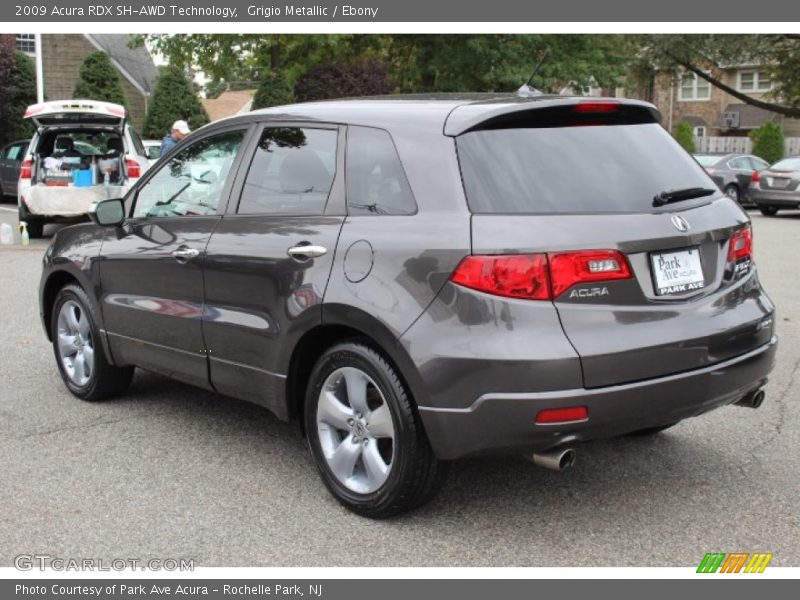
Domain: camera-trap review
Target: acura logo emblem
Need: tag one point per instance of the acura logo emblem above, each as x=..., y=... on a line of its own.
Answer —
x=680, y=223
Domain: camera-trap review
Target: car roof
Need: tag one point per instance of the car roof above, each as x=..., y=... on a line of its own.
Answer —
x=452, y=114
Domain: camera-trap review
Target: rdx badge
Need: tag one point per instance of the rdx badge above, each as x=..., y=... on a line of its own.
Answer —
x=589, y=292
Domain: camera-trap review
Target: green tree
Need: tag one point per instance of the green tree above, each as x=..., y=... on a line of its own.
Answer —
x=274, y=90
x=98, y=80
x=708, y=55
x=685, y=136
x=768, y=142
x=19, y=91
x=174, y=98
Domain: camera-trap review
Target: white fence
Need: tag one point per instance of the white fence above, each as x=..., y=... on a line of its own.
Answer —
x=743, y=145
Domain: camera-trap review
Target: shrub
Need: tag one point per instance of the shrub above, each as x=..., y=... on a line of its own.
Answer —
x=768, y=142
x=174, y=98
x=684, y=135
x=342, y=80
x=19, y=91
x=273, y=91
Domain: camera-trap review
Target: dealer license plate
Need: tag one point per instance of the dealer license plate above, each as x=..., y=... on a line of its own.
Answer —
x=677, y=272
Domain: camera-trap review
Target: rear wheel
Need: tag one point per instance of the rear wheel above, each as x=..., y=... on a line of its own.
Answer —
x=732, y=192
x=365, y=435
x=79, y=353
x=768, y=211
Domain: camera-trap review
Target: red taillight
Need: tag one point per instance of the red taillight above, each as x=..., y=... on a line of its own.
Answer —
x=741, y=244
x=513, y=276
x=539, y=276
x=586, y=266
x=26, y=169
x=756, y=177
x=563, y=415
x=596, y=106
x=133, y=168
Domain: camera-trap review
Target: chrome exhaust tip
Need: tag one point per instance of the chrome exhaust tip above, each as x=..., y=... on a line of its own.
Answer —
x=753, y=400
x=557, y=460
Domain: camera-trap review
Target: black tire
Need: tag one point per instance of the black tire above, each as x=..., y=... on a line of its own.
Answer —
x=416, y=475
x=106, y=380
x=652, y=430
x=732, y=192
x=768, y=211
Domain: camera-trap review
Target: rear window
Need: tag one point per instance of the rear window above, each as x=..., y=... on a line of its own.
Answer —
x=707, y=161
x=788, y=164
x=577, y=169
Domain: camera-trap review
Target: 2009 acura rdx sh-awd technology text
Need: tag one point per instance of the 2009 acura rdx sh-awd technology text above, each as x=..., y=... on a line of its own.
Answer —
x=421, y=279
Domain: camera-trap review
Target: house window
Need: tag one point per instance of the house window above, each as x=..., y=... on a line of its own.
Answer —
x=754, y=81
x=694, y=88
x=26, y=42
x=700, y=131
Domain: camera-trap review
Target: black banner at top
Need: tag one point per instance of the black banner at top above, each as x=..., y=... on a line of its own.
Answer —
x=389, y=11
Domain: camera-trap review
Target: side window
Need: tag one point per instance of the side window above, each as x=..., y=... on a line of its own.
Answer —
x=291, y=172
x=758, y=164
x=191, y=183
x=740, y=163
x=15, y=152
x=376, y=181
x=137, y=143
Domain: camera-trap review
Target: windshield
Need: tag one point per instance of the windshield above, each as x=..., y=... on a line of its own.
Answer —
x=584, y=169
x=788, y=164
x=707, y=161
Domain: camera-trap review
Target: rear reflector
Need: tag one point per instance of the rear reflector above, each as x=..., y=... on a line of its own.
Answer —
x=26, y=169
x=539, y=276
x=740, y=245
x=570, y=414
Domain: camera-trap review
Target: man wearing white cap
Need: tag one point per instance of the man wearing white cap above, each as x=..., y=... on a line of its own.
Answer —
x=180, y=129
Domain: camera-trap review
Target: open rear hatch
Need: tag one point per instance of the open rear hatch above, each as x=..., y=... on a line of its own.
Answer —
x=76, y=112
x=648, y=278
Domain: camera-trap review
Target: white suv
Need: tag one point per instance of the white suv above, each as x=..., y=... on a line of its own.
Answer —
x=83, y=151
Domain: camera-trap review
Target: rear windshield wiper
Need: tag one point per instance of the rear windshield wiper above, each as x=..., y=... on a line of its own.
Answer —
x=677, y=195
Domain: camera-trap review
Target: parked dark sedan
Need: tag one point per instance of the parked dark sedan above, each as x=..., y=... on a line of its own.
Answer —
x=732, y=173
x=11, y=156
x=778, y=187
x=420, y=279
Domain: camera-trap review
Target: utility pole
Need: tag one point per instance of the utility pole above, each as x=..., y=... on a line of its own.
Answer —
x=39, y=71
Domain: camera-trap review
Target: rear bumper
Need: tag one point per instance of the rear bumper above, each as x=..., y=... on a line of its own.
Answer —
x=773, y=198
x=505, y=421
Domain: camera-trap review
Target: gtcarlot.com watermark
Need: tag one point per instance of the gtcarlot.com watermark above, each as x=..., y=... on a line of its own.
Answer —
x=44, y=562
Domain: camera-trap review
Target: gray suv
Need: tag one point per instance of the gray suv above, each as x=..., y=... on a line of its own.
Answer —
x=419, y=279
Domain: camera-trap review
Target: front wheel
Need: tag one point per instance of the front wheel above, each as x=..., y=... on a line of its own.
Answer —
x=365, y=435
x=768, y=211
x=79, y=353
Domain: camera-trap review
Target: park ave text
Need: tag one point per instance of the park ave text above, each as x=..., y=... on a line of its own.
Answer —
x=253, y=12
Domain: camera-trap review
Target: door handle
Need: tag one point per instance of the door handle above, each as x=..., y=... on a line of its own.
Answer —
x=185, y=253
x=306, y=251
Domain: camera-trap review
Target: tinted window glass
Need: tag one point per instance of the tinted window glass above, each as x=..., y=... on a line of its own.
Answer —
x=291, y=172
x=582, y=169
x=137, y=143
x=15, y=152
x=191, y=182
x=376, y=181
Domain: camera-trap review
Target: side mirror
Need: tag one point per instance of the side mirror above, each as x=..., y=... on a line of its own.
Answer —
x=108, y=213
x=153, y=152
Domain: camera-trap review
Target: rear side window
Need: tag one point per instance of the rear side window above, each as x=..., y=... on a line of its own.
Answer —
x=291, y=172
x=376, y=181
x=576, y=169
x=137, y=143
